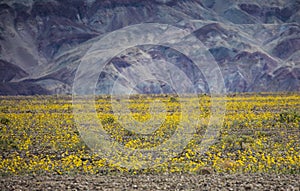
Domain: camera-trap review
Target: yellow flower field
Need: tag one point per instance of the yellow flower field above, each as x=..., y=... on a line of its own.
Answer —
x=260, y=133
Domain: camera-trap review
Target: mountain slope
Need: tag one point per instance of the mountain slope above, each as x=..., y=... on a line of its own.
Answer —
x=256, y=45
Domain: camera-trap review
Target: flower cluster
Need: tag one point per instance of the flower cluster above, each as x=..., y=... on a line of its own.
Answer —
x=260, y=133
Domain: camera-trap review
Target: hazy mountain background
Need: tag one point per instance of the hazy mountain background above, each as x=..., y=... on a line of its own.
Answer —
x=256, y=43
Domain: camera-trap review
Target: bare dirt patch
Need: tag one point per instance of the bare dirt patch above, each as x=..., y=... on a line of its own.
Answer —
x=153, y=182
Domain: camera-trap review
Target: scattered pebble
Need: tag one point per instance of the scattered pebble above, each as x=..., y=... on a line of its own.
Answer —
x=153, y=182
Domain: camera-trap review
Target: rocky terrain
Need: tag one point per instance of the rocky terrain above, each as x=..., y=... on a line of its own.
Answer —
x=153, y=182
x=256, y=43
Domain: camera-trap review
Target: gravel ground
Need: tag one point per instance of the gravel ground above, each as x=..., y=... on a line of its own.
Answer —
x=153, y=182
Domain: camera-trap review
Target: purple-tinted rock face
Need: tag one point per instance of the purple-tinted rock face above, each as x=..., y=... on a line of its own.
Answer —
x=43, y=42
x=9, y=72
x=286, y=48
x=210, y=30
x=251, y=9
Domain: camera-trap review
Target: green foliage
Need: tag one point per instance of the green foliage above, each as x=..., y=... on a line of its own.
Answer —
x=173, y=99
x=4, y=121
x=289, y=117
x=108, y=121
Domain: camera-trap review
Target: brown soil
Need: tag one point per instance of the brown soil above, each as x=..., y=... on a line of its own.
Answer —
x=153, y=182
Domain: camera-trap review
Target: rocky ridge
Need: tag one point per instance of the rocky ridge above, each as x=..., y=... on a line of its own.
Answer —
x=255, y=44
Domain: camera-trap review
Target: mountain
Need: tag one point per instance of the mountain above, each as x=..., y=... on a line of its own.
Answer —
x=256, y=44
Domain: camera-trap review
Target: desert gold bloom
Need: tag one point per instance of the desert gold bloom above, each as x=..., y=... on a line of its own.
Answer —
x=261, y=133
